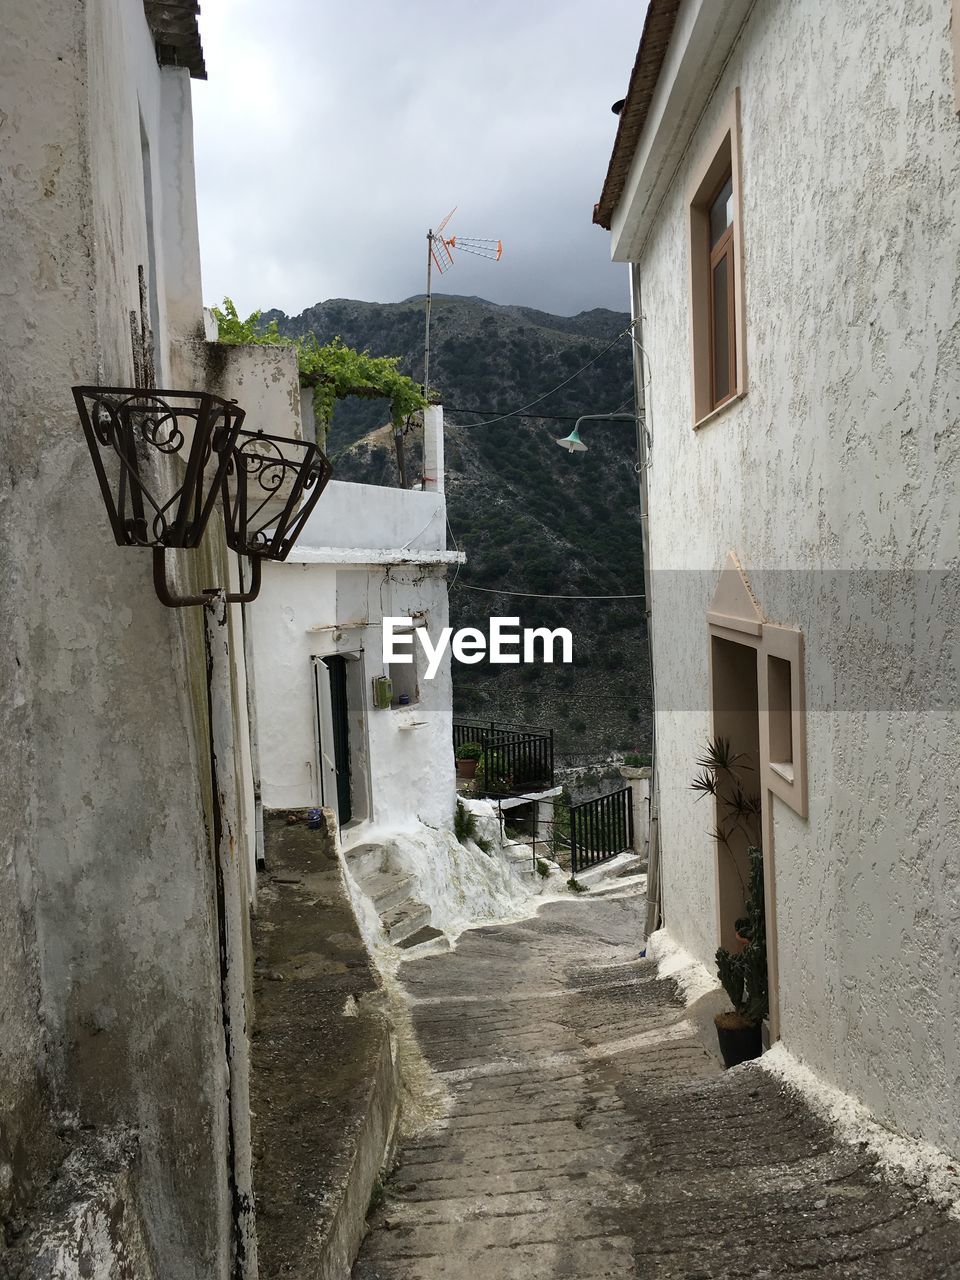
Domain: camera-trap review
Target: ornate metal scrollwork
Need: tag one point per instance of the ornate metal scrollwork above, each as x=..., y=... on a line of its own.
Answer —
x=162, y=457
x=270, y=487
x=152, y=501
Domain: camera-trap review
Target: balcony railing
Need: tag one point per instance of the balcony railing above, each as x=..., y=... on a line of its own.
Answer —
x=517, y=758
x=601, y=828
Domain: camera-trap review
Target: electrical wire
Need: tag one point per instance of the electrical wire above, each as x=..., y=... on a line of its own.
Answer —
x=519, y=413
x=456, y=547
x=536, y=595
x=439, y=509
x=545, y=417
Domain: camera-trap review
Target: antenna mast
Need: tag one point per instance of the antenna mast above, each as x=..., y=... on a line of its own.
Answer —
x=439, y=254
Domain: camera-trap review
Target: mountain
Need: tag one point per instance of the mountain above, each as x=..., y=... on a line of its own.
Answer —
x=531, y=517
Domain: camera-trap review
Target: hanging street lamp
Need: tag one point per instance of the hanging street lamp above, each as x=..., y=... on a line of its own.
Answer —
x=573, y=444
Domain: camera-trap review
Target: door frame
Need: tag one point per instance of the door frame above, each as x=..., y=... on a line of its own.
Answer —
x=358, y=736
x=735, y=615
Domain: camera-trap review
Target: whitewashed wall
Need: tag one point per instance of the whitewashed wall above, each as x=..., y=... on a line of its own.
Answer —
x=364, y=516
x=109, y=982
x=411, y=765
x=844, y=454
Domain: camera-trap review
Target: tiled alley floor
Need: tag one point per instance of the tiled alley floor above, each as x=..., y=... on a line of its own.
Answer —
x=591, y=1135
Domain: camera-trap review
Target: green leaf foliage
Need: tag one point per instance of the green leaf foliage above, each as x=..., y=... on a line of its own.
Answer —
x=333, y=369
x=744, y=976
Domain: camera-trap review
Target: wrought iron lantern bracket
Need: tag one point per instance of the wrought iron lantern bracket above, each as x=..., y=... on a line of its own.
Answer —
x=161, y=459
x=174, y=601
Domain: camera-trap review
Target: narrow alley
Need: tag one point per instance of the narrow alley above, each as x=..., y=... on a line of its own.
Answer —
x=590, y=1134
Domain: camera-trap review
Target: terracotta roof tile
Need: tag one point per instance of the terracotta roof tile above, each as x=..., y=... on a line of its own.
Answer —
x=657, y=30
x=174, y=27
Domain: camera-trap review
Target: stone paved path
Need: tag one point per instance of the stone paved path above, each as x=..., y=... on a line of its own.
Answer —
x=591, y=1135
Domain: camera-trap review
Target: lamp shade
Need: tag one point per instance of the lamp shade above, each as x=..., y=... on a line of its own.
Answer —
x=572, y=443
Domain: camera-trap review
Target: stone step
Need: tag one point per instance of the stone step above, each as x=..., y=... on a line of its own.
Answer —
x=625, y=884
x=367, y=860
x=405, y=919
x=386, y=889
x=622, y=864
x=427, y=934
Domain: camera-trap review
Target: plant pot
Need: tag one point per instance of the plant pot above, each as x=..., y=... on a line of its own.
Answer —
x=466, y=768
x=739, y=1039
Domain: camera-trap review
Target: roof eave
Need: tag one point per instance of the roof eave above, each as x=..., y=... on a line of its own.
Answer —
x=176, y=34
x=658, y=28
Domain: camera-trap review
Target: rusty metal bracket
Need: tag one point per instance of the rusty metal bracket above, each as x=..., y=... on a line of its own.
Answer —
x=173, y=601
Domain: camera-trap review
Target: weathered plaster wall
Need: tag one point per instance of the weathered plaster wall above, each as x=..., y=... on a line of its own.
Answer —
x=410, y=759
x=844, y=454
x=105, y=869
x=370, y=516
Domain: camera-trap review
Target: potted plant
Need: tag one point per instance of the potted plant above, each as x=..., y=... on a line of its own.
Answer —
x=743, y=974
x=468, y=757
x=744, y=977
x=490, y=778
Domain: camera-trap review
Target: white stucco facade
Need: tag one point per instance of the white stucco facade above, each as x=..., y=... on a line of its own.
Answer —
x=367, y=552
x=110, y=982
x=835, y=480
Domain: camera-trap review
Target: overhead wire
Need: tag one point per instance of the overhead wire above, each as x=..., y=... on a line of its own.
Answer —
x=519, y=413
x=537, y=595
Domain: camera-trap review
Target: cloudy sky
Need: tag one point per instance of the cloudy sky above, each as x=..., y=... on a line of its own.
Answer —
x=330, y=135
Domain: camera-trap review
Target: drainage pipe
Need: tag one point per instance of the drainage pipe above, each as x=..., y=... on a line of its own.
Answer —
x=644, y=456
x=228, y=879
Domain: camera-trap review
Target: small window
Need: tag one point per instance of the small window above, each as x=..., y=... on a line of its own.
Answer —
x=780, y=700
x=715, y=296
x=723, y=339
x=404, y=678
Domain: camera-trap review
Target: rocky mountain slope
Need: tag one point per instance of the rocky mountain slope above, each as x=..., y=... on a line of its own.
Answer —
x=531, y=517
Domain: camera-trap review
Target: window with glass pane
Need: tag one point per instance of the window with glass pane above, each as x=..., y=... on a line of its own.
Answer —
x=723, y=360
x=721, y=211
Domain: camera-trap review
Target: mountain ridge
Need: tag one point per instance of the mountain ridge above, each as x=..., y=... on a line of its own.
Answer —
x=532, y=518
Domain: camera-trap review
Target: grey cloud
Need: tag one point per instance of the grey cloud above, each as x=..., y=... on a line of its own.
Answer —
x=330, y=136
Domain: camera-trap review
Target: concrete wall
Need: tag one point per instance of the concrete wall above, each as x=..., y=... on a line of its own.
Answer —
x=410, y=752
x=373, y=516
x=844, y=454
x=109, y=995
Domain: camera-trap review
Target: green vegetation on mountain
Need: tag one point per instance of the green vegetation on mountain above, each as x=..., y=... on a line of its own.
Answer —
x=530, y=517
x=333, y=369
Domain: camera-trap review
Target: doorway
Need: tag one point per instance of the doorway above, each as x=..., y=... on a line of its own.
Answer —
x=736, y=723
x=342, y=781
x=337, y=667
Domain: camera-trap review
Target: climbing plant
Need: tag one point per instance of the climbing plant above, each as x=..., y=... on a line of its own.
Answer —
x=333, y=369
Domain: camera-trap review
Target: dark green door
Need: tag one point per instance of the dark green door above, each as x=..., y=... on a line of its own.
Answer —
x=337, y=667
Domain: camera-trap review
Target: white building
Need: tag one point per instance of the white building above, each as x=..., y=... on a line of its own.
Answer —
x=327, y=734
x=123, y=927
x=785, y=184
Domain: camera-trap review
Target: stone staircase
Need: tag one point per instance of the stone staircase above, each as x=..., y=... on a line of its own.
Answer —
x=405, y=919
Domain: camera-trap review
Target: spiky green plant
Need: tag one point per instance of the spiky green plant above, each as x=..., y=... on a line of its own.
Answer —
x=719, y=774
x=464, y=823
x=744, y=976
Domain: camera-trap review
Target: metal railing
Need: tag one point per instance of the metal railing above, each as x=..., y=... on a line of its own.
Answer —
x=516, y=758
x=601, y=828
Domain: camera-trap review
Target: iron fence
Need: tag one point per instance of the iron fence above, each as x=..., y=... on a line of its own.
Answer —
x=601, y=828
x=516, y=758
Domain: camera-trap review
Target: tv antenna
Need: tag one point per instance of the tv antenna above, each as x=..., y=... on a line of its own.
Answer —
x=440, y=250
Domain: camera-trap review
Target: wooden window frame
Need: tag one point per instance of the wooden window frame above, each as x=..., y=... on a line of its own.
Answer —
x=724, y=248
x=719, y=161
